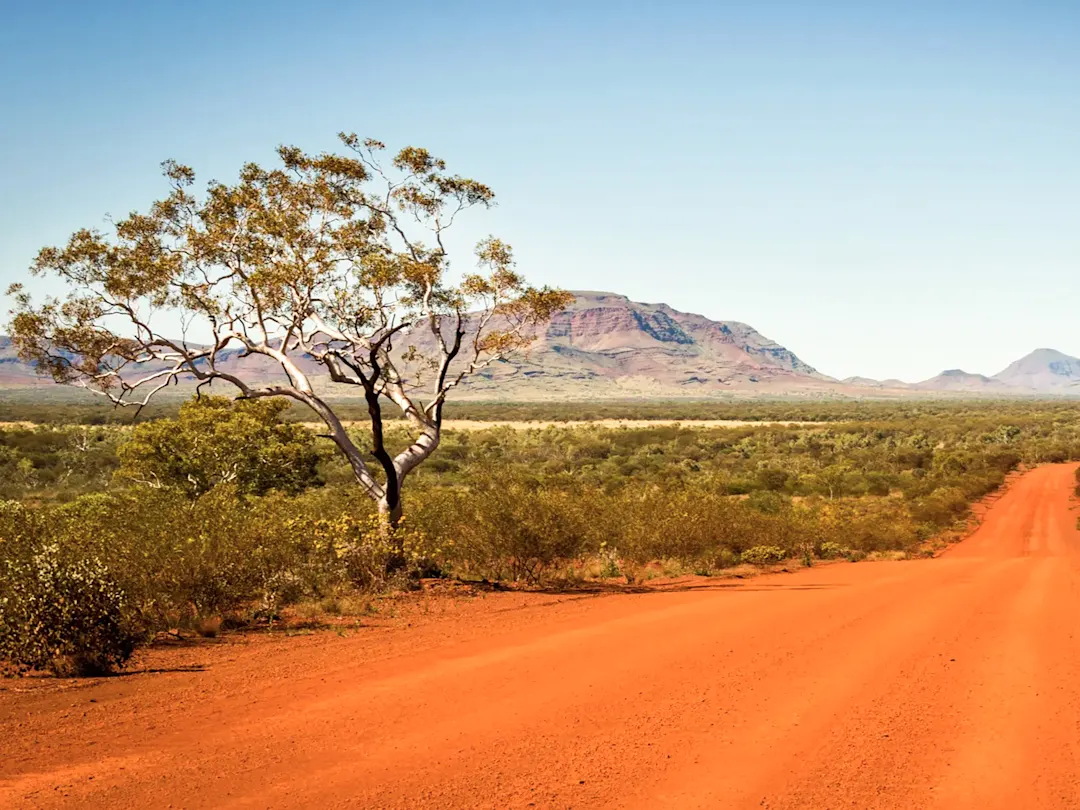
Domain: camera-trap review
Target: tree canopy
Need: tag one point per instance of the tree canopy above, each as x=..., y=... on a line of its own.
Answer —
x=332, y=269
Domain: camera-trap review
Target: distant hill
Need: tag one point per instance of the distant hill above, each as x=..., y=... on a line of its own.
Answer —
x=605, y=346
x=13, y=371
x=1044, y=370
x=867, y=382
x=957, y=380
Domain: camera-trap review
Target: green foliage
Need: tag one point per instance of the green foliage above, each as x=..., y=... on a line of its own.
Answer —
x=356, y=547
x=830, y=550
x=767, y=501
x=56, y=463
x=764, y=555
x=504, y=528
x=1012, y=413
x=214, y=441
x=148, y=560
x=60, y=610
x=516, y=505
x=773, y=478
x=341, y=255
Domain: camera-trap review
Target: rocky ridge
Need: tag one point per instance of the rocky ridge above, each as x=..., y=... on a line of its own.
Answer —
x=605, y=346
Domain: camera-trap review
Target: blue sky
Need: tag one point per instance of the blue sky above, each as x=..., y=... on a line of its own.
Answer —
x=888, y=189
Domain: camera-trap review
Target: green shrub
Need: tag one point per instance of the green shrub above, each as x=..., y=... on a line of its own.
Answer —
x=215, y=440
x=772, y=478
x=609, y=560
x=506, y=530
x=830, y=550
x=62, y=614
x=767, y=502
x=764, y=555
x=354, y=549
x=941, y=507
x=877, y=484
x=724, y=558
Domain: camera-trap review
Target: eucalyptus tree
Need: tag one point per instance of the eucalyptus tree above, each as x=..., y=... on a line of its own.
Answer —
x=331, y=268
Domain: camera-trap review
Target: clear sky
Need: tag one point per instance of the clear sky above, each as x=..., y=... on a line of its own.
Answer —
x=887, y=188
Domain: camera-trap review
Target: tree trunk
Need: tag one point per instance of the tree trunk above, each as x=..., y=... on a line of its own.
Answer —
x=389, y=513
x=389, y=518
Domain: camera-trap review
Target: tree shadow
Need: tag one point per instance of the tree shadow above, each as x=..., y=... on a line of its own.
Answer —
x=127, y=673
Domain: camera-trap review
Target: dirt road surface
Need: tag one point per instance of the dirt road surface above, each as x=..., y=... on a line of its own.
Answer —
x=945, y=683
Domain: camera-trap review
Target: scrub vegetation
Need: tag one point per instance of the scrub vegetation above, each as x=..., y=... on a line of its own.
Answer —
x=226, y=514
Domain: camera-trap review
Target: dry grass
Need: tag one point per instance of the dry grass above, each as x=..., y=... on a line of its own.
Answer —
x=894, y=555
x=610, y=424
x=342, y=603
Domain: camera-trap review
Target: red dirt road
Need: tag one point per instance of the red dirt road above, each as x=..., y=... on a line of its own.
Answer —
x=946, y=683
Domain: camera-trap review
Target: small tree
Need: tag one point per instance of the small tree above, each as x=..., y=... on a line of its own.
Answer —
x=215, y=441
x=331, y=268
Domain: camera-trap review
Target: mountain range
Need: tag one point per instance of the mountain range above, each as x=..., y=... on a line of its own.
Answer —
x=603, y=345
